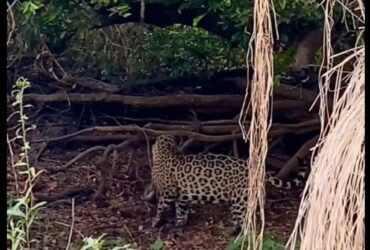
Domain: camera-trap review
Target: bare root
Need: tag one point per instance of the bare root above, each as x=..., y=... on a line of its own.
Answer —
x=293, y=163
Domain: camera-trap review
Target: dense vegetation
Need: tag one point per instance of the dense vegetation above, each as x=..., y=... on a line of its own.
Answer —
x=179, y=38
x=79, y=52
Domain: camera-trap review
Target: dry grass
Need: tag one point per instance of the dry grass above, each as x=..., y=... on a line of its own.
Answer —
x=332, y=210
x=261, y=59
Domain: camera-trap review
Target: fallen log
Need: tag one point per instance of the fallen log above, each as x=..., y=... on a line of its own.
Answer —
x=217, y=102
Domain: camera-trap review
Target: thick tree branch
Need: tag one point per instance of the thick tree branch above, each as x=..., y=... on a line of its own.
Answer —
x=298, y=100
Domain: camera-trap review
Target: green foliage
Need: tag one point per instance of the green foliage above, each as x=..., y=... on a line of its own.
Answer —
x=233, y=13
x=106, y=54
x=157, y=245
x=304, y=10
x=29, y=8
x=239, y=14
x=269, y=243
x=235, y=244
x=176, y=50
x=93, y=244
x=59, y=19
x=181, y=50
x=56, y=20
x=21, y=212
x=122, y=10
x=99, y=244
x=283, y=60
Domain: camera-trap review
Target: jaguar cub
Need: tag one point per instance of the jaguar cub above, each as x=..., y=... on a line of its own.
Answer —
x=190, y=179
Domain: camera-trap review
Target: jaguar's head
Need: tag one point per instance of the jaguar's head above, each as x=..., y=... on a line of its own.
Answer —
x=165, y=142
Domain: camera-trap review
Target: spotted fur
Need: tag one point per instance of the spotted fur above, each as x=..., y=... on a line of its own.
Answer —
x=204, y=178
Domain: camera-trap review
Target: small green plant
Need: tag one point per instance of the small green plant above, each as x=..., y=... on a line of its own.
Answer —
x=21, y=212
x=269, y=243
x=93, y=244
x=99, y=244
x=283, y=61
x=157, y=245
x=235, y=244
x=29, y=8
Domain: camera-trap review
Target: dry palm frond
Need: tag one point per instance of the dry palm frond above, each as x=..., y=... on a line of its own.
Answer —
x=260, y=55
x=332, y=210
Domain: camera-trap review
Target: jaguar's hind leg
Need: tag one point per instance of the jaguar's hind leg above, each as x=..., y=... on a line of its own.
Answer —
x=165, y=202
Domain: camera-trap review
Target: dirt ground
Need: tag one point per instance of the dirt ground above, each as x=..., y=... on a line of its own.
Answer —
x=121, y=213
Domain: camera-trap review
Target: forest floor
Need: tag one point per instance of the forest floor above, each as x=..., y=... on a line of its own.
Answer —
x=122, y=214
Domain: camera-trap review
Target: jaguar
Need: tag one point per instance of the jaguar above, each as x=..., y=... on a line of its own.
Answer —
x=181, y=180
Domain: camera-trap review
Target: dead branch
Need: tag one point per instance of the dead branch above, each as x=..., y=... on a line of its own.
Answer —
x=76, y=158
x=293, y=164
x=43, y=146
x=308, y=123
x=275, y=163
x=133, y=133
x=219, y=129
x=186, y=144
x=223, y=101
x=219, y=133
x=129, y=161
x=274, y=142
x=73, y=191
x=299, y=128
x=291, y=92
x=107, y=129
x=235, y=147
x=100, y=138
x=92, y=84
x=150, y=132
x=173, y=122
x=104, y=171
x=299, y=99
x=93, y=149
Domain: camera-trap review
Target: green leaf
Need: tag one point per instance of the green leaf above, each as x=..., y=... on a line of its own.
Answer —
x=197, y=19
x=234, y=245
x=38, y=206
x=157, y=245
x=277, y=80
x=271, y=244
x=282, y=4
x=16, y=213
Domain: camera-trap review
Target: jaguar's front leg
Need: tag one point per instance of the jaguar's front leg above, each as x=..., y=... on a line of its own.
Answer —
x=165, y=202
x=238, y=209
x=182, y=211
